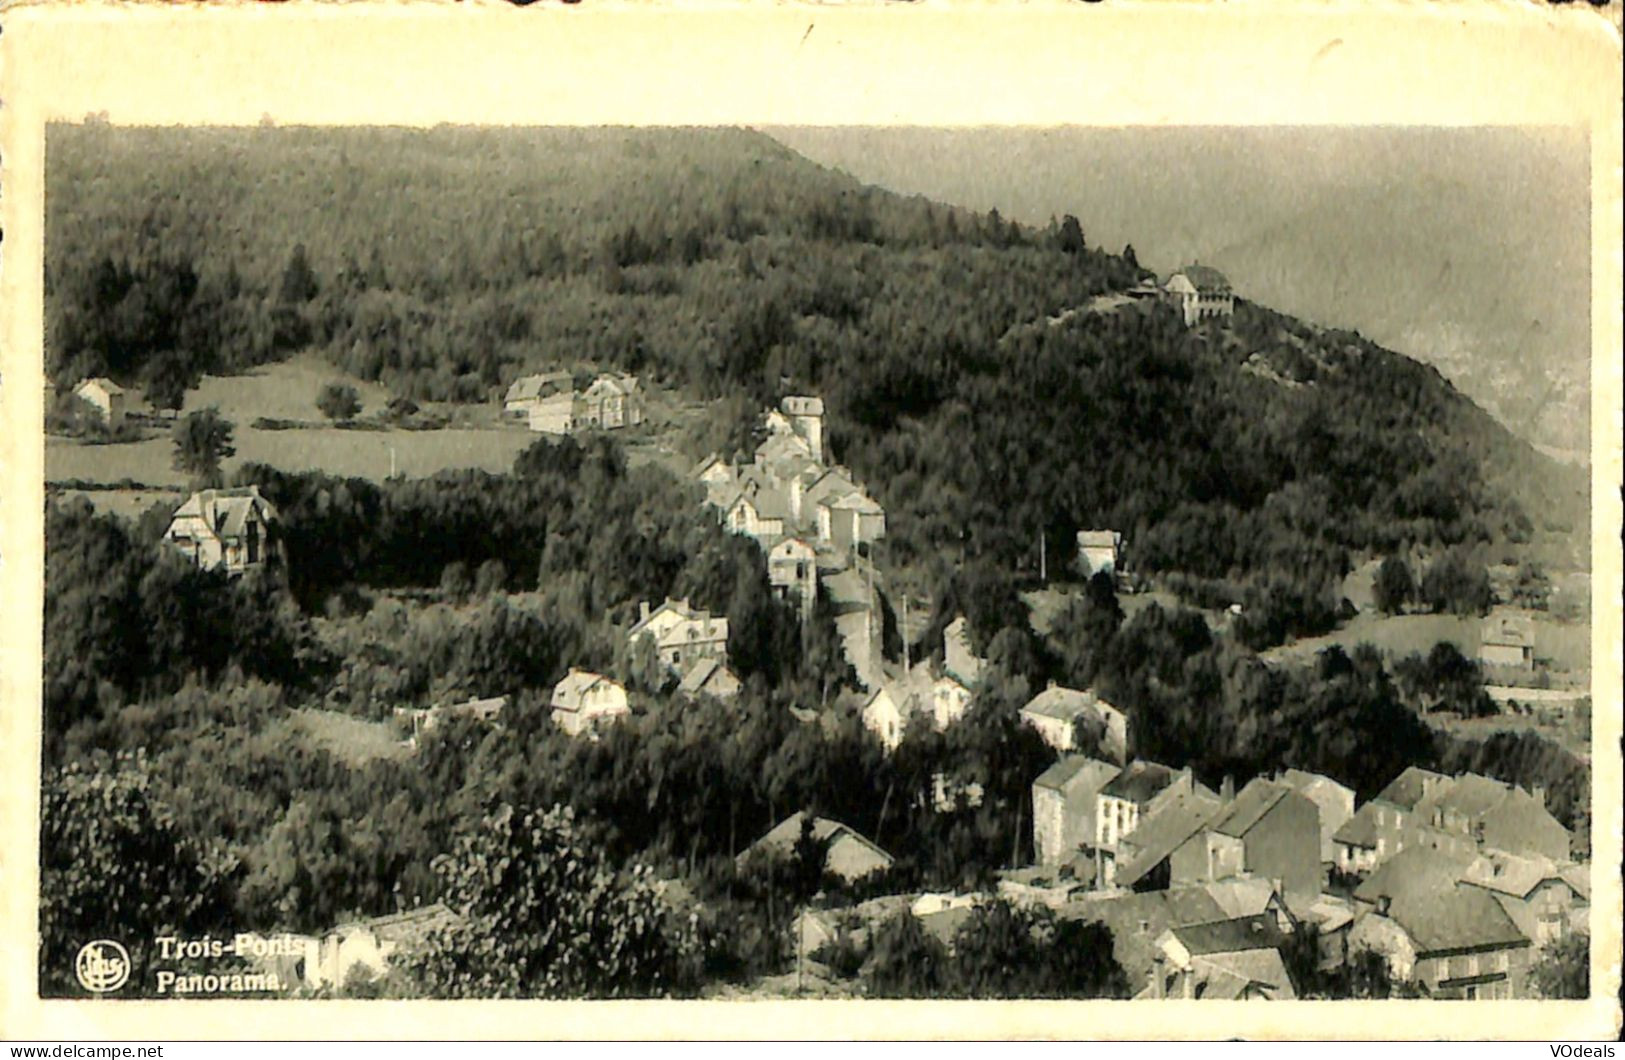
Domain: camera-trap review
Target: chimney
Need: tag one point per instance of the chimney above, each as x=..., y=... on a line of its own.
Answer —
x=1227, y=788
x=643, y=611
x=1538, y=793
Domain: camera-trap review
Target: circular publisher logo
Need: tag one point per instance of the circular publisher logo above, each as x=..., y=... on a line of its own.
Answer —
x=102, y=966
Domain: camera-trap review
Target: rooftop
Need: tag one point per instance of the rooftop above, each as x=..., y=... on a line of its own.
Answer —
x=1059, y=702
x=1455, y=918
x=1249, y=807
x=1409, y=788
x=1075, y=768
x=1205, y=278
x=1141, y=781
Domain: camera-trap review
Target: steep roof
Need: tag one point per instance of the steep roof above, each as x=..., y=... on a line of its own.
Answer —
x=1230, y=935
x=1408, y=789
x=612, y=383
x=1205, y=278
x=1076, y=768
x=1125, y=913
x=1359, y=830
x=861, y=851
x=1413, y=872
x=410, y=928
x=779, y=446
x=697, y=679
x=225, y=511
x=1242, y=896
x=569, y=692
x=1256, y=800
x=680, y=608
x=1514, y=874
x=1140, y=781
x=530, y=387
x=1064, y=704
x=854, y=501
x=1473, y=796
x=101, y=383
x=1164, y=832
x=1307, y=782
x=1229, y=976
x=1455, y=918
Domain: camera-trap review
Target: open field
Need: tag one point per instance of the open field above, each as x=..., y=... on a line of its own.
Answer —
x=477, y=437
x=354, y=740
x=288, y=391
x=1567, y=646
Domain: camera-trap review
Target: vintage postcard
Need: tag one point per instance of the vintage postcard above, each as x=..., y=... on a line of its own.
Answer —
x=789, y=521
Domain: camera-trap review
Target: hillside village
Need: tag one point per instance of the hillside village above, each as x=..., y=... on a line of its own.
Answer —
x=816, y=664
x=1455, y=882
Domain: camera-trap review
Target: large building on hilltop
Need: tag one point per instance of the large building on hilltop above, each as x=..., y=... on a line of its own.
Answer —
x=1200, y=292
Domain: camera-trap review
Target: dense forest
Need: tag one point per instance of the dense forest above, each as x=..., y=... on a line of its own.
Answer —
x=982, y=378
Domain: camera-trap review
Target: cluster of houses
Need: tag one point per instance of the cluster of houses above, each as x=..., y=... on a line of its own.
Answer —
x=550, y=403
x=1204, y=891
x=690, y=643
x=1199, y=292
x=1453, y=881
x=791, y=500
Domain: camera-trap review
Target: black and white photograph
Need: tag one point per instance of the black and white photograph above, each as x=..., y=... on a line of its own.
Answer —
x=818, y=562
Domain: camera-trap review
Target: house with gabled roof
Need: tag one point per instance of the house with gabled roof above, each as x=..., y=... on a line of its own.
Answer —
x=1138, y=919
x=710, y=677
x=1269, y=830
x=950, y=700
x=850, y=522
x=610, y=402
x=1234, y=959
x=1452, y=939
x=106, y=397
x=1546, y=899
x=1055, y=712
x=682, y=635
x=225, y=529
x=886, y=714
x=586, y=702
x=370, y=947
x=756, y=511
x=792, y=571
x=1200, y=292
x=1144, y=858
x=1064, y=798
x=1507, y=639
x=1136, y=793
x=713, y=471
x=958, y=659
x=1379, y=829
x=1334, y=801
x=1098, y=552
x=848, y=854
x=1480, y=812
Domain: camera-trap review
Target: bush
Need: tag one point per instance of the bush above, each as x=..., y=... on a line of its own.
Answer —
x=339, y=402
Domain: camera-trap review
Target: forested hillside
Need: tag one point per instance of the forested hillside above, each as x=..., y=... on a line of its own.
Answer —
x=989, y=383
x=1260, y=459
